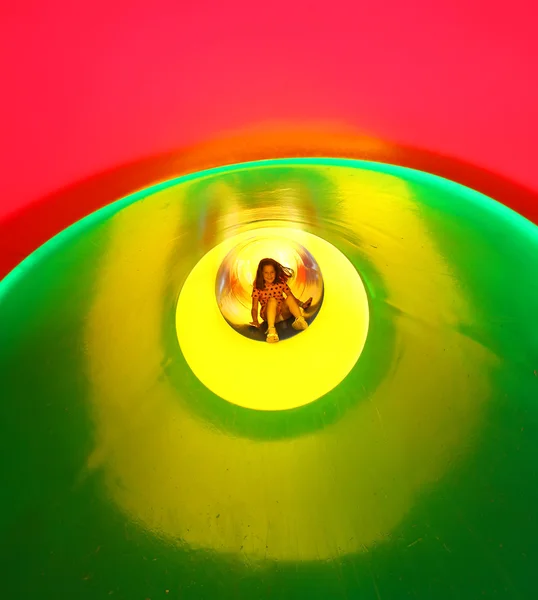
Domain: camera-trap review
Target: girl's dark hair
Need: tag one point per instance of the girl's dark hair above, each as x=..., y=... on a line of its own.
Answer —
x=282, y=274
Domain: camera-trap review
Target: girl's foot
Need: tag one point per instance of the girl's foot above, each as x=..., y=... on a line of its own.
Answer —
x=272, y=336
x=306, y=304
x=300, y=324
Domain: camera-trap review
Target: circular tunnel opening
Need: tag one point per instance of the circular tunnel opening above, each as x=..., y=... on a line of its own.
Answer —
x=235, y=283
x=232, y=365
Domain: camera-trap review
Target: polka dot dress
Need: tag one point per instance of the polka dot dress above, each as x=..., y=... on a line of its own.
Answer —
x=273, y=290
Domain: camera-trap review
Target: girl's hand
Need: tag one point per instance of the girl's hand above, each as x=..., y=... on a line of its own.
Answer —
x=255, y=324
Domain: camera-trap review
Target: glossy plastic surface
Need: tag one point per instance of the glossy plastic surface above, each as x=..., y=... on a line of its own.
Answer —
x=124, y=476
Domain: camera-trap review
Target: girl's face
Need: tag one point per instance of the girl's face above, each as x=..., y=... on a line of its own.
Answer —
x=269, y=274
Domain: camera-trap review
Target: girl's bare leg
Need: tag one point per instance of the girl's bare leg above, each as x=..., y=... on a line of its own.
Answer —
x=272, y=335
x=293, y=307
x=271, y=312
x=300, y=324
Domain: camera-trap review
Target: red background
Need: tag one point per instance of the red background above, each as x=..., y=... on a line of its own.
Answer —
x=91, y=86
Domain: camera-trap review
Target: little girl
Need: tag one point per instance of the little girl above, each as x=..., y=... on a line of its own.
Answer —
x=269, y=289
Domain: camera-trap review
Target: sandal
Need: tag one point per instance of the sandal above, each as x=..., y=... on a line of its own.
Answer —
x=300, y=324
x=272, y=338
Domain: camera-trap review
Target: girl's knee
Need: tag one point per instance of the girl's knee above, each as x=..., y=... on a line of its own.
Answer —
x=271, y=301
